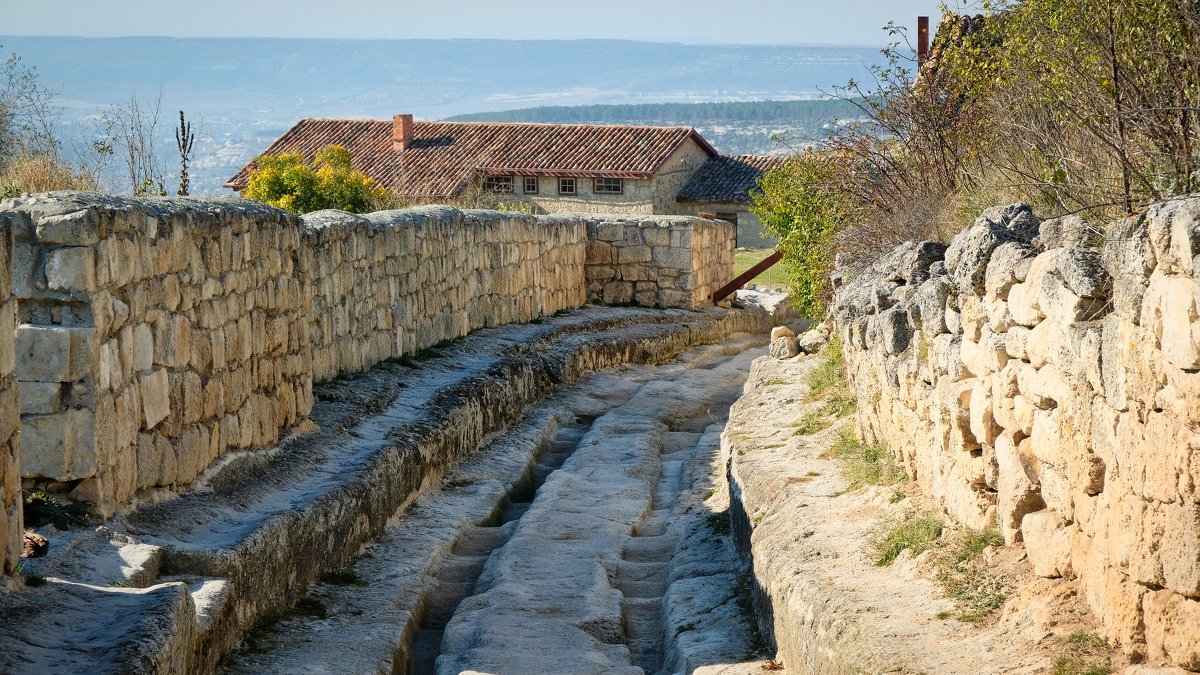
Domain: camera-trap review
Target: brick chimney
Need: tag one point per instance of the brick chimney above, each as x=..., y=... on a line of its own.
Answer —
x=402, y=132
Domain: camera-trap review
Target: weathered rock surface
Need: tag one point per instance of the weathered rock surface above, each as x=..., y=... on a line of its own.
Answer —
x=308, y=507
x=1052, y=392
x=821, y=602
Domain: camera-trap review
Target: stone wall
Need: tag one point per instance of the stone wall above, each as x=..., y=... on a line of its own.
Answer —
x=156, y=335
x=10, y=474
x=1036, y=380
x=750, y=230
x=662, y=261
x=394, y=282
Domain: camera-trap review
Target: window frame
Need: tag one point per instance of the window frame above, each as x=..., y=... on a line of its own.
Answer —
x=489, y=185
x=574, y=185
x=620, y=182
x=525, y=185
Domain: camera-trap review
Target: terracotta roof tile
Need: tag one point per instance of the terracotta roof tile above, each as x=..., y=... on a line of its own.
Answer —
x=443, y=156
x=727, y=178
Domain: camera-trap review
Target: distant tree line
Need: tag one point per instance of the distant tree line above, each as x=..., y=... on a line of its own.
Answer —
x=807, y=113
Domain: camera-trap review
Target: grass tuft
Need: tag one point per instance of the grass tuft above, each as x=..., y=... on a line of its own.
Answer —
x=976, y=593
x=864, y=465
x=1084, y=654
x=916, y=535
x=718, y=522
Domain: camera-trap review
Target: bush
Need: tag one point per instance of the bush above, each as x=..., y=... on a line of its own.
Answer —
x=801, y=204
x=287, y=182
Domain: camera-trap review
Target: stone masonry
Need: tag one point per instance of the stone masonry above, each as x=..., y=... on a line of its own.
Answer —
x=661, y=261
x=1033, y=379
x=391, y=283
x=10, y=475
x=156, y=335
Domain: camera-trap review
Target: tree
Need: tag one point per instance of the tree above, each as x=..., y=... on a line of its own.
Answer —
x=131, y=130
x=185, y=140
x=27, y=113
x=288, y=182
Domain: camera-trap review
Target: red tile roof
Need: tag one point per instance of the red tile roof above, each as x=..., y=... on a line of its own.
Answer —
x=728, y=178
x=443, y=156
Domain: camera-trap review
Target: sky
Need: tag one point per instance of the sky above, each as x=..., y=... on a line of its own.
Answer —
x=847, y=22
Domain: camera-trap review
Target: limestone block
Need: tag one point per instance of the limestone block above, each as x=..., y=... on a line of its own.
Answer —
x=1017, y=487
x=1174, y=233
x=59, y=446
x=156, y=402
x=44, y=353
x=1048, y=343
x=781, y=331
x=1022, y=305
x=40, y=398
x=1169, y=310
x=78, y=228
x=784, y=347
x=670, y=298
x=668, y=256
x=973, y=316
x=633, y=254
x=1008, y=265
x=71, y=269
x=142, y=348
x=599, y=252
x=1048, y=544
x=930, y=301
x=1179, y=548
x=895, y=331
x=1173, y=628
x=656, y=235
x=617, y=292
x=983, y=423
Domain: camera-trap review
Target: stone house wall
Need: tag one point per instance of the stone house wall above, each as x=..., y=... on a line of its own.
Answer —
x=10, y=420
x=638, y=197
x=156, y=335
x=1033, y=380
x=674, y=173
x=664, y=261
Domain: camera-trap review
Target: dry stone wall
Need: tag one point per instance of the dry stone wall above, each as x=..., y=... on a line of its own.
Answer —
x=1032, y=378
x=153, y=336
x=664, y=261
x=393, y=282
x=10, y=476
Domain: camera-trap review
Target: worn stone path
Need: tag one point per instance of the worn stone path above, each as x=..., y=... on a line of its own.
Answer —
x=551, y=550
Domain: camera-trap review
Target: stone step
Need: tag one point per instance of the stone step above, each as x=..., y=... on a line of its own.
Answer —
x=442, y=600
x=514, y=511
x=650, y=549
x=461, y=567
x=642, y=571
x=474, y=540
x=642, y=589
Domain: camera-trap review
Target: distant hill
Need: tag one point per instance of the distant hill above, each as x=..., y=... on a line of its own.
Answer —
x=242, y=93
x=734, y=127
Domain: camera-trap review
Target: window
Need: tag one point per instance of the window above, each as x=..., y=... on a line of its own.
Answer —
x=608, y=186
x=498, y=184
x=531, y=185
x=566, y=186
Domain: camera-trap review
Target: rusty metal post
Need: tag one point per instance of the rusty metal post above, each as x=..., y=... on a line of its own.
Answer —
x=922, y=40
x=746, y=276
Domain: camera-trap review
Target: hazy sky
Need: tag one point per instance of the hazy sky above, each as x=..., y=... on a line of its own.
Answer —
x=696, y=21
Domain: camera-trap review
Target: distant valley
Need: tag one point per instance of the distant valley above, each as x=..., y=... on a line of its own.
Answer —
x=243, y=93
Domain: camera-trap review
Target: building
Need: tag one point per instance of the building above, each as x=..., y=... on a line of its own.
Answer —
x=555, y=168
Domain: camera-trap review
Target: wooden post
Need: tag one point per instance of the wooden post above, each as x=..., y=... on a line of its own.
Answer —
x=746, y=276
